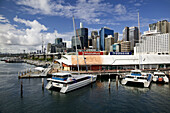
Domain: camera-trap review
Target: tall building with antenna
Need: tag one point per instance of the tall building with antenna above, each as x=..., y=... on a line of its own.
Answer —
x=82, y=33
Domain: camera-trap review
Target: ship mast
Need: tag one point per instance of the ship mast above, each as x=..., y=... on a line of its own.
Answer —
x=140, y=57
x=76, y=43
x=42, y=44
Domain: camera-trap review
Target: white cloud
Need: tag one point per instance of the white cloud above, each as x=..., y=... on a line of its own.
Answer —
x=86, y=10
x=17, y=40
x=3, y=19
x=120, y=9
x=41, y=6
x=137, y=4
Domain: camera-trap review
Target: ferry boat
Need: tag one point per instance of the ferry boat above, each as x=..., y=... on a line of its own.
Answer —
x=136, y=76
x=66, y=82
x=160, y=77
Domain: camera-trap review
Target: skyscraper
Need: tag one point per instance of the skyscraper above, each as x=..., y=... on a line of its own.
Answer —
x=74, y=43
x=97, y=43
x=104, y=32
x=116, y=37
x=126, y=34
x=133, y=37
x=125, y=46
x=161, y=26
x=58, y=40
x=83, y=35
x=89, y=41
x=108, y=42
x=94, y=34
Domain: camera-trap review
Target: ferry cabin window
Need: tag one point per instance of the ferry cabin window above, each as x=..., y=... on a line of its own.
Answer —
x=161, y=75
x=142, y=78
x=64, y=76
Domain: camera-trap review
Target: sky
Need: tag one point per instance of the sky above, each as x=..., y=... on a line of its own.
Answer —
x=24, y=23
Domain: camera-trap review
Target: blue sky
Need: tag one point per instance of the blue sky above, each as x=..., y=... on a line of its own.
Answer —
x=23, y=23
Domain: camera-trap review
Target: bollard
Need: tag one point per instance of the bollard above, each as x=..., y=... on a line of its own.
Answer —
x=43, y=83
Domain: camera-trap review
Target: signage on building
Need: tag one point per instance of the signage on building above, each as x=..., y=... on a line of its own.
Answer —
x=91, y=53
x=120, y=53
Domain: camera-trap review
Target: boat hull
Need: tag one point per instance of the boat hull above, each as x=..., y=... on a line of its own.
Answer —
x=70, y=87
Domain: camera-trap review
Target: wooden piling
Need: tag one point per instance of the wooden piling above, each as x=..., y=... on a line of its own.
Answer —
x=91, y=81
x=116, y=80
x=21, y=90
x=42, y=83
x=109, y=83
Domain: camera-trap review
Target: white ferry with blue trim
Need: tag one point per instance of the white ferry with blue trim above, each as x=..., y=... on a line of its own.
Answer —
x=136, y=76
x=66, y=82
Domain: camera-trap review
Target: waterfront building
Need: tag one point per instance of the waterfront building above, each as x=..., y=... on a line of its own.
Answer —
x=115, y=62
x=116, y=37
x=125, y=46
x=109, y=41
x=104, y=32
x=83, y=35
x=161, y=26
x=154, y=44
x=126, y=34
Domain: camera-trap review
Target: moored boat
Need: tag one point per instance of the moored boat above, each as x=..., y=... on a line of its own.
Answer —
x=160, y=77
x=66, y=82
x=136, y=76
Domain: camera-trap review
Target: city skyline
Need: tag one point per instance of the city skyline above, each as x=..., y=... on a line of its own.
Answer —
x=24, y=23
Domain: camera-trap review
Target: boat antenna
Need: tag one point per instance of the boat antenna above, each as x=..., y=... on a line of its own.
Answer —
x=76, y=44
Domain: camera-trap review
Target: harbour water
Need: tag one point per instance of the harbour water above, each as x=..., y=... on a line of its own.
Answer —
x=93, y=99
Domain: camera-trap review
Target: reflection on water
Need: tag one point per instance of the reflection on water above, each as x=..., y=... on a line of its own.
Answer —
x=136, y=90
x=96, y=98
